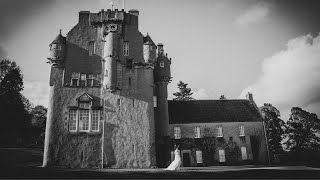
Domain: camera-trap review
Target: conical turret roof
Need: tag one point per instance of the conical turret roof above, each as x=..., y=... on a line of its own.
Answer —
x=59, y=40
x=148, y=40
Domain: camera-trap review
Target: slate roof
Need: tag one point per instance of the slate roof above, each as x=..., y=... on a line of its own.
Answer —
x=206, y=111
x=59, y=40
x=148, y=40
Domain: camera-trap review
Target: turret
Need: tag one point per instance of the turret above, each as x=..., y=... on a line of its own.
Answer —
x=162, y=77
x=149, y=50
x=57, y=51
x=162, y=67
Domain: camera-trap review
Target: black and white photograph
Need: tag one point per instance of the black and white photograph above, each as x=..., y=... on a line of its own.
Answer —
x=160, y=89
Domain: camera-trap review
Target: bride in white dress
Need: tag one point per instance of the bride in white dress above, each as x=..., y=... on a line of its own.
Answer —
x=175, y=164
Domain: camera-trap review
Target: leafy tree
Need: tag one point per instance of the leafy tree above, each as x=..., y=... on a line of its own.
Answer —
x=184, y=93
x=38, y=122
x=301, y=129
x=14, y=116
x=274, y=129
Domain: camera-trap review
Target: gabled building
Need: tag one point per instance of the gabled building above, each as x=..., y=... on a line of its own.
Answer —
x=233, y=129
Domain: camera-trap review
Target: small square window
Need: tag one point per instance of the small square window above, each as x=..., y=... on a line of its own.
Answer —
x=74, y=82
x=161, y=64
x=118, y=102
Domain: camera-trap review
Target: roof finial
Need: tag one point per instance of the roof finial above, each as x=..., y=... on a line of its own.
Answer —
x=60, y=31
x=147, y=34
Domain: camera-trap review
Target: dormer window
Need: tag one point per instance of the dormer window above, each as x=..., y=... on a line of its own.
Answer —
x=90, y=80
x=84, y=117
x=162, y=64
x=74, y=82
x=241, y=130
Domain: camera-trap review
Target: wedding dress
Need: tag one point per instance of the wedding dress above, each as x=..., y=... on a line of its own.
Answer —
x=175, y=164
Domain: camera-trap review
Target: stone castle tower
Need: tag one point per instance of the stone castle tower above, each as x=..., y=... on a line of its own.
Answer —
x=108, y=95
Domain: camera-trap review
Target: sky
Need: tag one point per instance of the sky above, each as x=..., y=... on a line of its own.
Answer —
x=270, y=48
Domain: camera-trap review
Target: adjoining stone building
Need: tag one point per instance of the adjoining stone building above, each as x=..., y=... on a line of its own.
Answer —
x=218, y=132
x=108, y=102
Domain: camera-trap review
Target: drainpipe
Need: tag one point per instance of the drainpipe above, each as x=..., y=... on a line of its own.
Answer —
x=265, y=135
x=102, y=139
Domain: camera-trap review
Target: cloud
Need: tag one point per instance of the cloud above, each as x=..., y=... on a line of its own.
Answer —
x=291, y=77
x=37, y=92
x=201, y=94
x=254, y=14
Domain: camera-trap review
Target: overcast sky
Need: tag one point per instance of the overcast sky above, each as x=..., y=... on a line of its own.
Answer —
x=270, y=48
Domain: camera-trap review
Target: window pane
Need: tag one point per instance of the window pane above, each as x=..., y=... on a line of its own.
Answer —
x=177, y=133
x=244, y=153
x=199, y=156
x=91, y=48
x=161, y=64
x=95, y=120
x=84, y=120
x=222, y=157
x=154, y=101
x=72, y=120
x=126, y=48
x=197, y=132
x=84, y=105
x=241, y=130
x=219, y=131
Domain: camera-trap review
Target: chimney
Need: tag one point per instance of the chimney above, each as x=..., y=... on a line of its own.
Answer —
x=249, y=97
x=84, y=16
x=160, y=48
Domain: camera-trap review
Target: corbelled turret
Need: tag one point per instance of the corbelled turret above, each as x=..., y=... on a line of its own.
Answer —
x=57, y=50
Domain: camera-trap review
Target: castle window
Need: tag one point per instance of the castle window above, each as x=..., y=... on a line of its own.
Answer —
x=154, y=101
x=222, y=156
x=95, y=120
x=241, y=130
x=161, y=64
x=199, y=156
x=197, y=132
x=73, y=120
x=219, y=131
x=177, y=133
x=74, y=82
x=126, y=48
x=91, y=48
x=244, y=153
x=84, y=120
x=118, y=102
x=82, y=117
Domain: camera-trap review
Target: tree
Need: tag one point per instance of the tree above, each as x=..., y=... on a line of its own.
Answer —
x=184, y=93
x=274, y=129
x=14, y=116
x=38, y=122
x=301, y=130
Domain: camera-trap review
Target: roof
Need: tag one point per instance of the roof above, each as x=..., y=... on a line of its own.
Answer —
x=148, y=40
x=59, y=40
x=206, y=111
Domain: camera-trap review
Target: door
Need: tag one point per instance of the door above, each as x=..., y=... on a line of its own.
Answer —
x=186, y=159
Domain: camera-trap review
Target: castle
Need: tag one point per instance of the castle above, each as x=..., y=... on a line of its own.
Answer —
x=108, y=102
